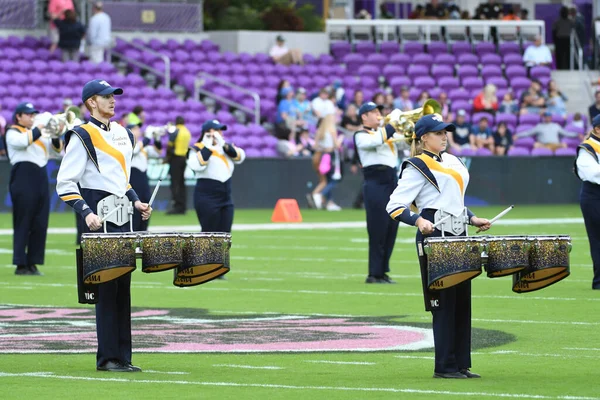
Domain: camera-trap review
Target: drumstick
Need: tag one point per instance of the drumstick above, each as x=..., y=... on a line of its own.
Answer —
x=441, y=221
x=114, y=210
x=154, y=193
x=497, y=217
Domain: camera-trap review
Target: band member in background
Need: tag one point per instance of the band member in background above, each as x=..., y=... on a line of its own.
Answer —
x=378, y=158
x=433, y=180
x=97, y=166
x=179, y=142
x=28, y=153
x=212, y=160
x=587, y=168
x=144, y=147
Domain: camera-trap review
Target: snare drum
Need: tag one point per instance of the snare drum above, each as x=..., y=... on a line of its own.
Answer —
x=505, y=255
x=107, y=256
x=523, y=286
x=452, y=260
x=160, y=251
x=203, y=254
x=549, y=256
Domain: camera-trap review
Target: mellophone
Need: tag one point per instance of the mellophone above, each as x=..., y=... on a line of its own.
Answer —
x=535, y=262
x=196, y=258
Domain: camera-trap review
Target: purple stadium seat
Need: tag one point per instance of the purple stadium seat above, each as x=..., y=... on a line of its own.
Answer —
x=513, y=71
x=571, y=141
x=517, y=151
x=530, y=119
x=379, y=59
x=435, y=92
x=461, y=47
x=353, y=62
x=326, y=59
x=539, y=72
x=467, y=71
x=340, y=49
x=399, y=81
x=253, y=153
x=542, y=151
x=424, y=83
x=400, y=59
x=509, y=47
x=467, y=152
x=439, y=71
x=559, y=119
x=573, y=128
x=523, y=127
x=459, y=94
x=471, y=83
x=447, y=83
x=390, y=71
x=519, y=83
x=482, y=48
x=449, y=59
x=416, y=70
x=462, y=105
x=389, y=47
x=512, y=59
x=365, y=48
x=509, y=119
x=423, y=59
x=500, y=82
x=368, y=82
x=525, y=142
x=467, y=59
x=483, y=152
x=412, y=48
x=571, y=116
x=434, y=48
x=369, y=70
x=308, y=59
x=490, y=59
x=569, y=151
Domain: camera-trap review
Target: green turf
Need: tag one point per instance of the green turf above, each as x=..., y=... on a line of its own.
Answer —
x=322, y=272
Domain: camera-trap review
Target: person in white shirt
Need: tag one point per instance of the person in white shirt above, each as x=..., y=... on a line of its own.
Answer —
x=28, y=152
x=322, y=105
x=538, y=54
x=280, y=54
x=434, y=181
x=99, y=33
x=587, y=168
x=95, y=173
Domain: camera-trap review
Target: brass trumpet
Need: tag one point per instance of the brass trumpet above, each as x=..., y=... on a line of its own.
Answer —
x=404, y=122
x=54, y=126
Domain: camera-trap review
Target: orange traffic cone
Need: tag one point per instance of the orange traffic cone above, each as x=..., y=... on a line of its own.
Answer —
x=286, y=210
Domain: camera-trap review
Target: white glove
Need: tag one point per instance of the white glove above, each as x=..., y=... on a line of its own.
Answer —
x=207, y=141
x=219, y=139
x=394, y=116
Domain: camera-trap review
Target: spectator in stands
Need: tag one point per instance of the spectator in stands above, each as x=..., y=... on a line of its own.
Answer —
x=533, y=100
x=350, y=120
x=561, y=34
x=537, y=54
x=286, y=121
x=56, y=9
x=358, y=98
x=379, y=99
x=461, y=138
x=578, y=120
x=99, y=33
x=384, y=13
x=445, y=104
x=67, y=102
x=486, y=100
x=594, y=109
x=137, y=116
x=453, y=11
x=417, y=13
x=489, y=10
x=280, y=54
x=552, y=85
x=435, y=10
x=579, y=24
x=284, y=83
x=302, y=107
x=403, y=102
x=423, y=97
x=548, y=133
x=322, y=105
x=363, y=14
x=289, y=148
x=340, y=94
x=511, y=16
x=306, y=145
x=524, y=14
x=483, y=135
x=555, y=103
x=508, y=104
x=70, y=33
x=388, y=104
x=502, y=139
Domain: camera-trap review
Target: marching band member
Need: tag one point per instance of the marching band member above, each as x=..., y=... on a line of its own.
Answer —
x=378, y=158
x=139, y=165
x=28, y=152
x=435, y=182
x=588, y=170
x=93, y=175
x=212, y=160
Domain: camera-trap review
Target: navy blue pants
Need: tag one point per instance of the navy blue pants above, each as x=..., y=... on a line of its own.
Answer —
x=30, y=196
x=213, y=204
x=451, y=310
x=589, y=200
x=113, y=310
x=377, y=188
x=139, y=183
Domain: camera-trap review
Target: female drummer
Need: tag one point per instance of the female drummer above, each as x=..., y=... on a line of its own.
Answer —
x=212, y=160
x=433, y=180
x=588, y=170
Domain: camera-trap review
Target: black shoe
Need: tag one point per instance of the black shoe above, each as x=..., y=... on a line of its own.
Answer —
x=34, y=271
x=388, y=279
x=310, y=200
x=114, y=366
x=375, y=279
x=133, y=368
x=22, y=270
x=469, y=374
x=449, y=375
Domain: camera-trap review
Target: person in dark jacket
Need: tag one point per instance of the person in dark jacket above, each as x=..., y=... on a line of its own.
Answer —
x=70, y=32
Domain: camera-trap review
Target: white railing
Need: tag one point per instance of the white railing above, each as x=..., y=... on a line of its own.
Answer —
x=166, y=74
x=386, y=28
x=201, y=79
x=576, y=56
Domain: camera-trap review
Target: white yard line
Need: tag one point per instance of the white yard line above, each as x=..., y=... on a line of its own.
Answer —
x=340, y=362
x=481, y=394
x=246, y=366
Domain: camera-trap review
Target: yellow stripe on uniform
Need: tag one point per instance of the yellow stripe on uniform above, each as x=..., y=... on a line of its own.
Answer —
x=100, y=143
x=595, y=145
x=199, y=154
x=238, y=157
x=71, y=197
x=397, y=212
x=436, y=166
x=42, y=145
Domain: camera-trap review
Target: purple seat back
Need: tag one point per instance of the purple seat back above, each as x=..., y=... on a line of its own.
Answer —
x=541, y=151
x=518, y=151
x=461, y=47
x=467, y=59
x=512, y=59
x=412, y=48
x=365, y=48
x=434, y=48
x=389, y=47
x=569, y=151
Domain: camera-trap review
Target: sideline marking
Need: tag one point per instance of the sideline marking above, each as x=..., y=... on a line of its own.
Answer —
x=50, y=375
x=340, y=362
x=150, y=371
x=245, y=366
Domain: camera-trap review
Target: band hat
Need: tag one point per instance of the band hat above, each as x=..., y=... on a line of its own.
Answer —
x=432, y=123
x=596, y=121
x=25, y=108
x=98, y=87
x=213, y=124
x=368, y=106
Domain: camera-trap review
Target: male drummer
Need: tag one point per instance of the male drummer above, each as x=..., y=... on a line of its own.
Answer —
x=98, y=160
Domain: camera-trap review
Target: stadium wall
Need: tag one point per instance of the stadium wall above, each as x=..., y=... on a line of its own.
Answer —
x=252, y=42
x=494, y=181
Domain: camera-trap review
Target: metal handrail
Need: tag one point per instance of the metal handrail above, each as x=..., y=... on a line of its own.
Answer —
x=389, y=25
x=202, y=76
x=166, y=74
x=576, y=50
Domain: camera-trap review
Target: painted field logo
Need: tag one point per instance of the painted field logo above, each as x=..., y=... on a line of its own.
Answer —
x=72, y=330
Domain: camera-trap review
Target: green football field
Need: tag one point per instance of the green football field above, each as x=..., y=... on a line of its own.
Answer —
x=295, y=320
